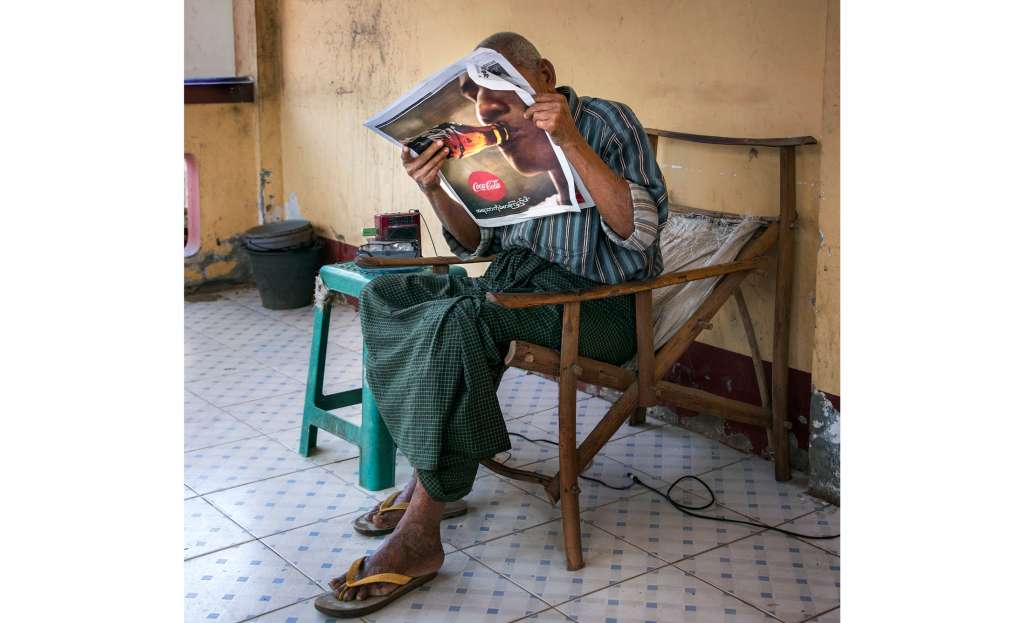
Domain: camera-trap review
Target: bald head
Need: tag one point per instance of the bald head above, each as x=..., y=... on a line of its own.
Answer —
x=515, y=47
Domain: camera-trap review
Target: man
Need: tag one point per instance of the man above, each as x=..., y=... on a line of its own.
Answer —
x=435, y=346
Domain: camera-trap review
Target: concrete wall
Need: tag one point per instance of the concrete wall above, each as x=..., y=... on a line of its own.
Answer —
x=222, y=137
x=824, y=433
x=209, y=39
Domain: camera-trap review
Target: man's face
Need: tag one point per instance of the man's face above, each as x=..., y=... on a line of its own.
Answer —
x=525, y=149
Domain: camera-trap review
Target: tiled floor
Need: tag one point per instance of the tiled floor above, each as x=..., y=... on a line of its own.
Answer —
x=266, y=528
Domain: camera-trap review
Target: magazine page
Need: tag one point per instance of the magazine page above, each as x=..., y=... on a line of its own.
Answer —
x=502, y=169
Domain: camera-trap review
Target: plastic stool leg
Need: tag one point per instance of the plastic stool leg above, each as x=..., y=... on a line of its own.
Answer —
x=376, y=446
x=315, y=376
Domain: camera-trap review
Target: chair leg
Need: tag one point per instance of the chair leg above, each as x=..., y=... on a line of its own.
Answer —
x=638, y=417
x=568, y=468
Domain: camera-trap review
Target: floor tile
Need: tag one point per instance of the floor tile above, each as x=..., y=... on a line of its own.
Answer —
x=241, y=582
x=527, y=394
x=203, y=431
x=534, y=559
x=302, y=612
x=323, y=550
x=664, y=595
x=298, y=317
x=819, y=523
x=329, y=448
x=496, y=508
x=244, y=386
x=207, y=529
x=218, y=319
x=588, y=414
x=248, y=295
x=271, y=415
x=464, y=591
x=525, y=452
x=345, y=330
x=832, y=616
x=290, y=501
x=257, y=329
x=196, y=342
x=593, y=494
x=348, y=471
x=749, y=487
x=238, y=463
x=214, y=363
x=780, y=574
x=189, y=493
x=655, y=526
x=668, y=452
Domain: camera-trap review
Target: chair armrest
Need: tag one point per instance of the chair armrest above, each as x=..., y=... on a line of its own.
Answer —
x=391, y=262
x=515, y=300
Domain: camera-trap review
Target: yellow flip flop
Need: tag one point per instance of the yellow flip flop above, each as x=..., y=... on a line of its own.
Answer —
x=332, y=605
x=365, y=526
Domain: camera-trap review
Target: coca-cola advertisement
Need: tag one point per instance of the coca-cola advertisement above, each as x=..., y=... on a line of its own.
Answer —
x=500, y=167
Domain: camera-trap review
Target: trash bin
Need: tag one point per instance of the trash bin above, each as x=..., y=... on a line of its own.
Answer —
x=285, y=258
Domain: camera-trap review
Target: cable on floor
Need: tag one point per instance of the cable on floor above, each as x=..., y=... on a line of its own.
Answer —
x=686, y=510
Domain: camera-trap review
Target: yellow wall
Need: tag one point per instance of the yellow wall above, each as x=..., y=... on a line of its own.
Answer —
x=728, y=68
x=826, y=330
x=222, y=137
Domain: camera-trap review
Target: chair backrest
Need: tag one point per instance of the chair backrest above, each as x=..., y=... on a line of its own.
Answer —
x=694, y=240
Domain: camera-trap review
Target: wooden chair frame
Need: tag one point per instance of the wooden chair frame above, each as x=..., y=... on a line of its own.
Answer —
x=645, y=387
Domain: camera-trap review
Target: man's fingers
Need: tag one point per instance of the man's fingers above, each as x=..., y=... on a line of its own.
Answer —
x=433, y=162
x=423, y=158
x=536, y=108
x=549, y=97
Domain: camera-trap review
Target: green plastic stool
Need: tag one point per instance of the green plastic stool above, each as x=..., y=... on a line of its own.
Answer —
x=376, y=447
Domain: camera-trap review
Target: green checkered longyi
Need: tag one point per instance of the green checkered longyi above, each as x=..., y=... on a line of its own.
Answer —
x=435, y=351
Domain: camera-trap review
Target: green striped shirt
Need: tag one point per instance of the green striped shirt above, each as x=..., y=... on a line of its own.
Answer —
x=581, y=242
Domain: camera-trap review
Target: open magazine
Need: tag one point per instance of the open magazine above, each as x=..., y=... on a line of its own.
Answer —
x=501, y=167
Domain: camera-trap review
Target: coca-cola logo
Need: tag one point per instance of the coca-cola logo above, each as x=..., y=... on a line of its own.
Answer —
x=487, y=185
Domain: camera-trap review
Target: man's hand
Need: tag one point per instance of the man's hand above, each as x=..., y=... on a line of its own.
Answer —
x=550, y=112
x=423, y=168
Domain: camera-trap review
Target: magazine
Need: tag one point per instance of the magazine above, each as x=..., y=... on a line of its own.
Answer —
x=502, y=169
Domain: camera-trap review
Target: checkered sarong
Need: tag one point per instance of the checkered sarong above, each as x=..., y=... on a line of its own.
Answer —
x=435, y=351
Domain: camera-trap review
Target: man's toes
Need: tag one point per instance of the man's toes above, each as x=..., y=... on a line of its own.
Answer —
x=377, y=590
x=362, y=594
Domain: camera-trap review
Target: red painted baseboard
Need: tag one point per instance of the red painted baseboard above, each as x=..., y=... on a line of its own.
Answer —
x=731, y=375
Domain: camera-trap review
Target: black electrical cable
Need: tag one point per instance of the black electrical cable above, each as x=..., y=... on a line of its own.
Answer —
x=686, y=510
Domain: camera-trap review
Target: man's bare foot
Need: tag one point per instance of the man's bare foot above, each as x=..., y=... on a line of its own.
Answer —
x=390, y=519
x=413, y=549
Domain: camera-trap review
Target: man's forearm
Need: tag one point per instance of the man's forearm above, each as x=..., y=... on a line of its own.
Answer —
x=454, y=218
x=610, y=192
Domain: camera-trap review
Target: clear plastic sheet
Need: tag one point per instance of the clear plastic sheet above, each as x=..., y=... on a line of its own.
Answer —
x=695, y=240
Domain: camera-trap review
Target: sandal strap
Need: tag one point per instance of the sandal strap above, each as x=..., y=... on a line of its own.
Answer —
x=387, y=505
x=388, y=578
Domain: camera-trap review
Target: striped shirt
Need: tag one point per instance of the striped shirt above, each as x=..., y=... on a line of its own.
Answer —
x=582, y=242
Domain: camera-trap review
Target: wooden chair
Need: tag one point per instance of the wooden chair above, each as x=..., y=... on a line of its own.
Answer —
x=645, y=387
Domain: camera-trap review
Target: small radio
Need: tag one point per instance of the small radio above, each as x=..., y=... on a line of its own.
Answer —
x=398, y=227
x=395, y=235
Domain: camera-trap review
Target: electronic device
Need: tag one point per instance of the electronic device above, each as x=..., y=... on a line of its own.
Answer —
x=398, y=226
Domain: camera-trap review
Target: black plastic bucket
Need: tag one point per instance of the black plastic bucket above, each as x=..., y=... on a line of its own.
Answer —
x=284, y=263
x=285, y=278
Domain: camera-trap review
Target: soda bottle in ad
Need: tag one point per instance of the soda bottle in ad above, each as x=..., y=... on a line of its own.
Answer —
x=462, y=141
